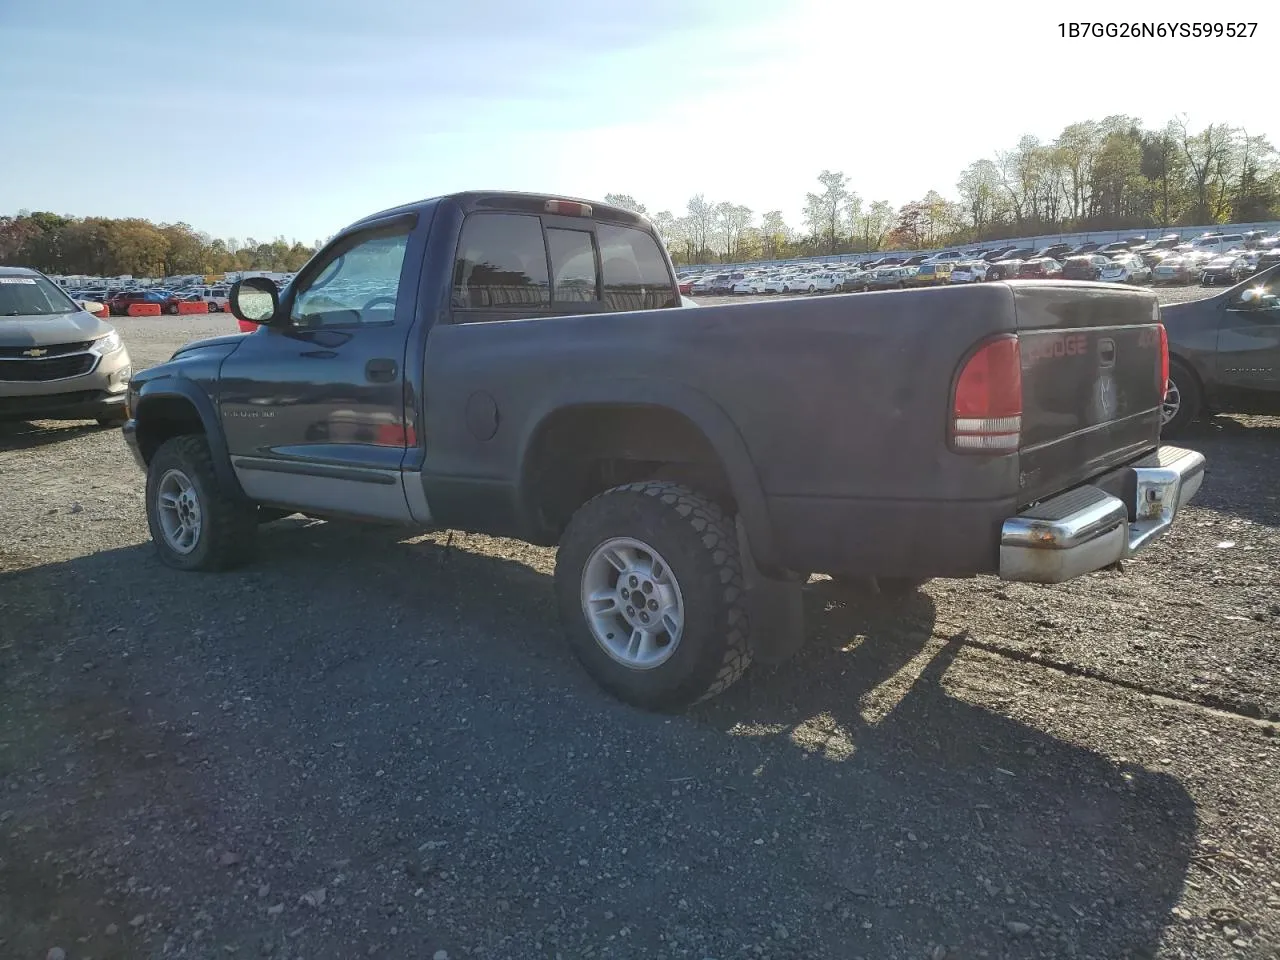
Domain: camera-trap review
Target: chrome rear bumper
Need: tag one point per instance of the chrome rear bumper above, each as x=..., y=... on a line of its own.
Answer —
x=1100, y=523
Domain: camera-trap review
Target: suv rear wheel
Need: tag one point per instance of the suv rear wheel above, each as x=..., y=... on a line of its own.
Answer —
x=195, y=523
x=650, y=590
x=1182, y=400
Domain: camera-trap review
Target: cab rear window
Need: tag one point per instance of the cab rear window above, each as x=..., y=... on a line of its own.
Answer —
x=502, y=263
x=635, y=271
x=573, y=266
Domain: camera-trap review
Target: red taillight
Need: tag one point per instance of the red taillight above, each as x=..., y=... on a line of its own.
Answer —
x=1164, y=358
x=987, y=413
x=569, y=208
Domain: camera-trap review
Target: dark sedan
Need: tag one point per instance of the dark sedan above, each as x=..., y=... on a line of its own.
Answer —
x=1005, y=268
x=1083, y=267
x=1224, y=352
x=1039, y=269
x=1225, y=270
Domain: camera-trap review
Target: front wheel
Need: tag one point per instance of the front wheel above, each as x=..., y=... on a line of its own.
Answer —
x=650, y=590
x=195, y=523
x=171, y=309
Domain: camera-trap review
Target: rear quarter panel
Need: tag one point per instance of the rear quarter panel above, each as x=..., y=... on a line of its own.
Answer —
x=846, y=396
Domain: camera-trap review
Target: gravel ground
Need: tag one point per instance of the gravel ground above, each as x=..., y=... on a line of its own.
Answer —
x=365, y=745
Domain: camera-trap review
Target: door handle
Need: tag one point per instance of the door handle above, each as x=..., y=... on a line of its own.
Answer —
x=380, y=370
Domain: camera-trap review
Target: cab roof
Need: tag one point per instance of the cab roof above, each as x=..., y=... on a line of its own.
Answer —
x=471, y=200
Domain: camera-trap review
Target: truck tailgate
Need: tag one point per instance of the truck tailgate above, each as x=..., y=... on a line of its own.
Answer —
x=1091, y=380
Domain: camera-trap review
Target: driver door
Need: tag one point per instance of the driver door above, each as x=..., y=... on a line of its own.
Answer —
x=313, y=407
x=1249, y=347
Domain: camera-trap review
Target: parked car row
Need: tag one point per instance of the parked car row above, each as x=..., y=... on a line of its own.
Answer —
x=1212, y=258
x=119, y=301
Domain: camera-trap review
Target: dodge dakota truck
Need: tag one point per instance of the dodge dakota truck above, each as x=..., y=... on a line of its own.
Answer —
x=519, y=365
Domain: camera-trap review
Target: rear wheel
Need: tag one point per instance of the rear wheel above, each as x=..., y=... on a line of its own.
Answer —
x=1183, y=400
x=649, y=586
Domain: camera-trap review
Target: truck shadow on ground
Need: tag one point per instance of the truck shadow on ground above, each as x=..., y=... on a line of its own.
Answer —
x=843, y=804
x=24, y=435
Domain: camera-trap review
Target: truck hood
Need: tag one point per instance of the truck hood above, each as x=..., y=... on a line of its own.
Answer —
x=229, y=339
x=44, y=330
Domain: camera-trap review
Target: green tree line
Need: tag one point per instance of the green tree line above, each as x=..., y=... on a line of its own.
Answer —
x=1097, y=175
x=106, y=247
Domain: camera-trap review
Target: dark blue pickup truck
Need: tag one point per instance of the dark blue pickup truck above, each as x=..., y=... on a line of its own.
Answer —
x=519, y=365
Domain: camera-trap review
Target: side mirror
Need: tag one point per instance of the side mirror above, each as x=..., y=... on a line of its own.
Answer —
x=1248, y=299
x=254, y=299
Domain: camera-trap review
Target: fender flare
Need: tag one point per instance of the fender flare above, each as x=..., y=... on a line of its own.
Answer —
x=170, y=388
x=699, y=409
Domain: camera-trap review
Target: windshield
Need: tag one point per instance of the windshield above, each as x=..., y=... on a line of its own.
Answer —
x=32, y=297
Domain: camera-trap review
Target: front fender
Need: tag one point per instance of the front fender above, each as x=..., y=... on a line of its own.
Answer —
x=181, y=388
x=703, y=412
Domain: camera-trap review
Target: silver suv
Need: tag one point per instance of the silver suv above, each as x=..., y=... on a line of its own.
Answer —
x=57, y=360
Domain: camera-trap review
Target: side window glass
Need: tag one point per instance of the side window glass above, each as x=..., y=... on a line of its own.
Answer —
x=357, y=284
x=501, y=262
x=635, y=272
x=573, y=266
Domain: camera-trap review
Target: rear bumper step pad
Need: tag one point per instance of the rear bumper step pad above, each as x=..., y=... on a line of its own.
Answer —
x=1100, y=523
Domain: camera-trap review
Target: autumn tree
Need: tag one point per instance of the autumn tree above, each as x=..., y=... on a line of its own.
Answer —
x=102, y=246
x=873, y=225
x=731, y=220
x=701, y=219
x=774, y=235
x=979, y=188
x=825, y=212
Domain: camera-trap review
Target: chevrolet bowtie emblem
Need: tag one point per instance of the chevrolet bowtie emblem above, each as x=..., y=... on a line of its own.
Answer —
x=34, y=352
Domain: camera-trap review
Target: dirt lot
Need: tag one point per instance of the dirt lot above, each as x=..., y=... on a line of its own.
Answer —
x=364, y=745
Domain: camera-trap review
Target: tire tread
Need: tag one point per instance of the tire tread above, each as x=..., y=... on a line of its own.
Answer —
x=230, y=521
x=716, y=533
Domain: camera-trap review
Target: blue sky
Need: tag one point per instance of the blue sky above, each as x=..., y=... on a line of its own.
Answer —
x=266, y=117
